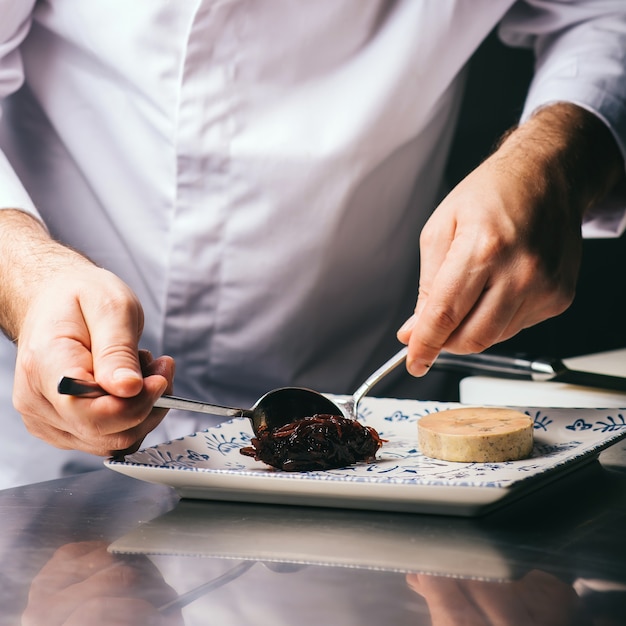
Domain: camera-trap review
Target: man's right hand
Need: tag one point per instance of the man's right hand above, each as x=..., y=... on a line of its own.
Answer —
x=72, y=318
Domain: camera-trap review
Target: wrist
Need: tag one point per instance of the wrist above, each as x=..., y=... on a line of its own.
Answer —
x=29, y=258
x=565, y=153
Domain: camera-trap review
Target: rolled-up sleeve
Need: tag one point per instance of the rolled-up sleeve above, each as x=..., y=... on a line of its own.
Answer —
x=580, y=50
x=15, y=18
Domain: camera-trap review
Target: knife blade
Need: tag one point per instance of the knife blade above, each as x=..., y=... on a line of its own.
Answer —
x=525, y=368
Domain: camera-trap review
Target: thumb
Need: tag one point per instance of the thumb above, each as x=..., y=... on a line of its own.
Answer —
x=115, y=326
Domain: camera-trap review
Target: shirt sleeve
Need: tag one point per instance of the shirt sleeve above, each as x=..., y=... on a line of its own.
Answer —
x=14, y=26
x=580, y=50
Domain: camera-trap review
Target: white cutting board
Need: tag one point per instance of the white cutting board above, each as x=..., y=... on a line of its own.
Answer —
x=486, y=390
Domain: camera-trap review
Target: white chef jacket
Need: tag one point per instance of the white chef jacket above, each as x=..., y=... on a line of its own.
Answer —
x=259, y=172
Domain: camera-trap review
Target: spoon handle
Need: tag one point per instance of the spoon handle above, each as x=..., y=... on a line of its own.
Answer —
x=190, y=596
x=88, y=389
x=378, y=375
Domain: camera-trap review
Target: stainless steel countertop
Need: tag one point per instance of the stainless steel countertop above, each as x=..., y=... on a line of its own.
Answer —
x=94, y=548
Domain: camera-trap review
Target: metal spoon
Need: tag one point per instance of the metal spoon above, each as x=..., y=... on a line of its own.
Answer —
x=350, y=407
x=191, y=596
x=273, y=410
x=215, y=583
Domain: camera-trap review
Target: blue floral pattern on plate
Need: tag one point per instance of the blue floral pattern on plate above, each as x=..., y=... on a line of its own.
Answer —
x=562, y=437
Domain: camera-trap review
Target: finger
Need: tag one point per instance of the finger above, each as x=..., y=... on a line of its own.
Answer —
x=115, y=323
x=446, y=599
x=75, y=574
x=71, y=564
x=455, y=292
x=153, y=587
x=486, y=323
x=515, y=299
x=77, y=562
x=163, y=366
x=103, y=426
x=550, y=600
x=145, y=358
x=94, y=425
x=116, y=584
x=435, y=241
x=500, y=603
x=120, y=414
x=118, y=611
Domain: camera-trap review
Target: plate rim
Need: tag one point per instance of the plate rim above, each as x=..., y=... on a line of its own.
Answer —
x=350, y=491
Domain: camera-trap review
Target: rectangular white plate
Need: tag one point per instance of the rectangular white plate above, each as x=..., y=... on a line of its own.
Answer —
x=208, y=464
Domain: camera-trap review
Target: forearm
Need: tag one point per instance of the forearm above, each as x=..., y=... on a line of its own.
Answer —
x=29, y=256
x=566, y=153
x=580, y=56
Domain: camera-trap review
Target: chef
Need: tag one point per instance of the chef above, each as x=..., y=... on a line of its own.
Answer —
x=248, y=187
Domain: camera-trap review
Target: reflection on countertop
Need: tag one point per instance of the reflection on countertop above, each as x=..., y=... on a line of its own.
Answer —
x=109, y=546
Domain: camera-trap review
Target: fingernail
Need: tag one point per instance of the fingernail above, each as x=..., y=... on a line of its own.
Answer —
x=125, y=373
x=408, y=325
x=416, y=368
